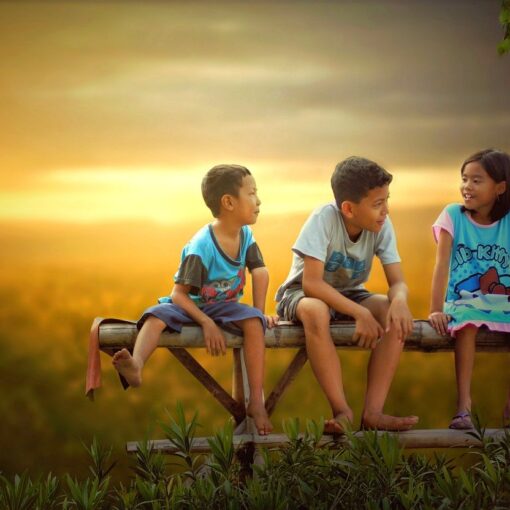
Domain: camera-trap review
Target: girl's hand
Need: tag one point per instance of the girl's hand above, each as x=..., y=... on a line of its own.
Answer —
x=271, y=320
x=400, y=318
x=214, y=339
x=439, y=321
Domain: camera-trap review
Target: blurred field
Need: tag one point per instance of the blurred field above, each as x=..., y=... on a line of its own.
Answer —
x=54, y=279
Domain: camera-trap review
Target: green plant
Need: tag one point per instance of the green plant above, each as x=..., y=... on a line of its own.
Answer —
x=100, y=457
x=86, y=495
x=181, y=434
x=20, y=494
x=149, y=465
x=366, y=471
x=47, y=493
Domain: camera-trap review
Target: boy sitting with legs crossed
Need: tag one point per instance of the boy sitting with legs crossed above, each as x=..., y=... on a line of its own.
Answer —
x=332, y=258
x=209, y=283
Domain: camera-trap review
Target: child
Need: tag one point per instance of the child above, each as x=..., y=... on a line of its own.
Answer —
x=209, y=283
x=331, y=261
x=473, y=247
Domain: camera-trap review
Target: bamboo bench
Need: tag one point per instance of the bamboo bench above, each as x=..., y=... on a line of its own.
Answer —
x=114, y=335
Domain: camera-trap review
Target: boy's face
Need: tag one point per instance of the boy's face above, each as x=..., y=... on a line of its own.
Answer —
x=370, y=213
x=247, y=203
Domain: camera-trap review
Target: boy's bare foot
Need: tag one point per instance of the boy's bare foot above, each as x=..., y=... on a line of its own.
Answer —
x=382, y=421
x=339, y=423
x=258, y=412
x=127, y=367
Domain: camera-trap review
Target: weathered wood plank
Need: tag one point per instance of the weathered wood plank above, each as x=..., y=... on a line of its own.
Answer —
x=236, y=409
x=424, y=438
x=286, y=379
x=424, y=338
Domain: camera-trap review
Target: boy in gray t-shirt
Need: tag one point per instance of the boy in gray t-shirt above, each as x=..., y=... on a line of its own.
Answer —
x=332, y=258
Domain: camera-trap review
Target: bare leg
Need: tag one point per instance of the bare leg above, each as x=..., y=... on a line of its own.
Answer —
x=130, y=367
x=464, y=361
x=381, y=370
x=314, y=314
x=254, y=349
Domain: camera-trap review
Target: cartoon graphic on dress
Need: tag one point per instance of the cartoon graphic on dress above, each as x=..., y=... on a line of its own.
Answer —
x=488, y=283
x=479, y=284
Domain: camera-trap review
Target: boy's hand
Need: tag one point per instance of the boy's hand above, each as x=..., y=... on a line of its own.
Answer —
x=368, y=331
x=439, y=321
x=271, y=320
x=214, y=339
x=400, y=318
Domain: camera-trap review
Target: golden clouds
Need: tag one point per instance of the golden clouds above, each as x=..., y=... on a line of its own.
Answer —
x=153, y=94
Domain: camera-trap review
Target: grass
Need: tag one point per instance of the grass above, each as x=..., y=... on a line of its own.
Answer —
x=369, y=471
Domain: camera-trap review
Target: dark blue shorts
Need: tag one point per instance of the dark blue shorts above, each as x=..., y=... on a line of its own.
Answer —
x=224, y=314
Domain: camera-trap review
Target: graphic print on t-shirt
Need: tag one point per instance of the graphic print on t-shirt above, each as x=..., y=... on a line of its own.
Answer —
x=353, y=268
x=224, y=290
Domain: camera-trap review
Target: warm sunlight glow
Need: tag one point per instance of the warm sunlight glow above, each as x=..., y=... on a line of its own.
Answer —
x=167, y=195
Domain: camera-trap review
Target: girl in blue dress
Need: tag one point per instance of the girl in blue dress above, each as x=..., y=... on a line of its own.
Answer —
x=473, y=266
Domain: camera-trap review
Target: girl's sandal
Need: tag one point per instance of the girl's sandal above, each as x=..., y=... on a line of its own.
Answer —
x=461, y=421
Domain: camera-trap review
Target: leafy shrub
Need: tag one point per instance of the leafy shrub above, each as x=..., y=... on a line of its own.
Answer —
x=370, y=471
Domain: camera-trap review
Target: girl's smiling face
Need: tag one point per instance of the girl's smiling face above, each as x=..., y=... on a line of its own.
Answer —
x=479, y=191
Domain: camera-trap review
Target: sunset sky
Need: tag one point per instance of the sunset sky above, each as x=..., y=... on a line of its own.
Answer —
x=115, y=110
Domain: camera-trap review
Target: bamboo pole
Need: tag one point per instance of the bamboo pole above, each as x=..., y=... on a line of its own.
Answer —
x=417, y=439
x=116, y=335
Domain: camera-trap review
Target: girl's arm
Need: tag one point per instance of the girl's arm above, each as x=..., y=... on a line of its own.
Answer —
x=259, y=284
x=213, y=337
x=437, y=318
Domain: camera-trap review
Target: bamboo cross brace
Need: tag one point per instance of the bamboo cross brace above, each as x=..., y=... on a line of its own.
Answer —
x=236, y=409
x=286, y=379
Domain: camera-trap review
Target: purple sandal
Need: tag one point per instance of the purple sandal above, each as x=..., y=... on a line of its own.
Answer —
x=461, y=421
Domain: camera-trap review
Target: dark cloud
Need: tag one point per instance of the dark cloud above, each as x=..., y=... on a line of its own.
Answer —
x=94, y=84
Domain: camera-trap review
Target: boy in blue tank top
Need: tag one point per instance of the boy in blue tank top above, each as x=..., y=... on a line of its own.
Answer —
x=209, y=284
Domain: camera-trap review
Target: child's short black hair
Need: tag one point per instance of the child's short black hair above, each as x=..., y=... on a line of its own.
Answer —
x=497, y=164
x=354, y=177
x=222, y=180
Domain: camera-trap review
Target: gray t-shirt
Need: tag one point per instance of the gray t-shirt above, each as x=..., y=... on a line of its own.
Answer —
x=347, y=264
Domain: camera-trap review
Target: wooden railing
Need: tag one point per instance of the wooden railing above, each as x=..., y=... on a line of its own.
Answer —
x=115, y=335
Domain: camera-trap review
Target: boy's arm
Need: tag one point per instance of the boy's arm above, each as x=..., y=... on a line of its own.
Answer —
x=213, y=337
x=437, y=318
x=259, y=284
x=367, y=330
x=399, y=315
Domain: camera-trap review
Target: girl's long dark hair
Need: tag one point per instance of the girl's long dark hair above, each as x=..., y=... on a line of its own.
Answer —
x=497, y=164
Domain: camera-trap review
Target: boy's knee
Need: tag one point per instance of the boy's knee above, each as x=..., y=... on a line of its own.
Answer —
x=313, y=312
x=250, y=324
x=154, y=323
